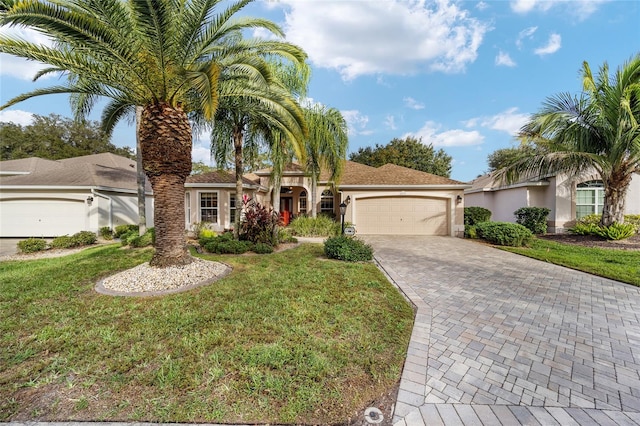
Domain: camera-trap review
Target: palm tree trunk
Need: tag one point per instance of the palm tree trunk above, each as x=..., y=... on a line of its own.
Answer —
x=165, y=139
x=614, y=199
x=237, y=145
x=142, y=206
x=314, y=194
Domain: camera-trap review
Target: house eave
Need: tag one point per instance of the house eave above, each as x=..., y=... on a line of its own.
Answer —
x=403, y=187
x=513, y=186
x=69, y=188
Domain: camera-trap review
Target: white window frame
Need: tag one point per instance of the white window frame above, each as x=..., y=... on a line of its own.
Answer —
x=233, y=210
x=216, y=208
x=302, y=202
x=187, y=208
x=324, y=198
x=597, y=186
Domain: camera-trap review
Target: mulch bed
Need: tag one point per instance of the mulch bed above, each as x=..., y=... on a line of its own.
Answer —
x=631, y=243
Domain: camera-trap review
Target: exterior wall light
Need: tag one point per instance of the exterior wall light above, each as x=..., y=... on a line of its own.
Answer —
x=343, y=211
x=459, y=199
x=89, y=199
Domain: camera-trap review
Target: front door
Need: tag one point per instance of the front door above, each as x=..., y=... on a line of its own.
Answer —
x=286, y=207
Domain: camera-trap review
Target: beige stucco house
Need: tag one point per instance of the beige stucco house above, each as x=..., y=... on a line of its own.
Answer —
x=568, y=197
x=49, y=198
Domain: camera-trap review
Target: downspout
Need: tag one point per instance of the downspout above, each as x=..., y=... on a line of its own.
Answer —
x=93, y=192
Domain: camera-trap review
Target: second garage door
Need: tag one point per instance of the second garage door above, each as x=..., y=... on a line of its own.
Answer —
x=41, y=218
x=402, y=216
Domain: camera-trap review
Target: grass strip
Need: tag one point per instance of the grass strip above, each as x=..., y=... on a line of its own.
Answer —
x=285, y=338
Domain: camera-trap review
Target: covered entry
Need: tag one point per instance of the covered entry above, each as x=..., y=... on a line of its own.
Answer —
x=402, y=216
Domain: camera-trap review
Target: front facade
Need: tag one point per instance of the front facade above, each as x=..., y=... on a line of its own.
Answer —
x=50, y=198
x=567, y=197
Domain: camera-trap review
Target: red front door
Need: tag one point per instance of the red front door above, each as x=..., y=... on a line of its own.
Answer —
x=286, y=207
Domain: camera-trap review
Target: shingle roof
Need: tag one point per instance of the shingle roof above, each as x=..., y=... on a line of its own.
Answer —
x=391, y=174
x=218, y=176
x=100, y=170
x=28, y=165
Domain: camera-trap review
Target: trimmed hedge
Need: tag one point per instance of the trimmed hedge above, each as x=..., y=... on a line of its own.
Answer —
x=32, y=245
x=533, y=218
x=349, y=249
x=475, y=215
x=504, y=233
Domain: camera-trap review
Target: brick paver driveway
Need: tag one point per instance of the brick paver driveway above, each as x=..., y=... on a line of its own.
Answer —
x=503, y=339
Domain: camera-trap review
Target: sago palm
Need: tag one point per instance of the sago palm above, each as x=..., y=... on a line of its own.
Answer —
x=596, y=130
x=165, y=56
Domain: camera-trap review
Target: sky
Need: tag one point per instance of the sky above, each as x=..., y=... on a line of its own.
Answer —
x=463, y=76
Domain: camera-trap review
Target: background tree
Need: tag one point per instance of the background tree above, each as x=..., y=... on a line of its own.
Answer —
x=409, y=152
x=168, y=57
x=55, y=137
x=597, y=130
x=506, y=157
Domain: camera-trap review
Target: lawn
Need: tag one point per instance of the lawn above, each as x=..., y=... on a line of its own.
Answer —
x=616, y=264
x=288, y=337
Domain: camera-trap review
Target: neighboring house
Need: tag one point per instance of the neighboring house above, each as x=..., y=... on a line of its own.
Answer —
x=211, y=197
x=386, y=200
x=568, y=197
x=48, y=198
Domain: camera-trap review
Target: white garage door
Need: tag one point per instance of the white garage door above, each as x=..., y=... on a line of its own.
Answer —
x=402, y=216
x=41, y=218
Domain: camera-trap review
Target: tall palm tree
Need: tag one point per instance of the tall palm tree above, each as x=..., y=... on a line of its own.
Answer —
x=168, y=57
x=598, y=129
x=326, y=146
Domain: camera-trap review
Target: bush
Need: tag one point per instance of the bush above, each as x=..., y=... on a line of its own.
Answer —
x=85, y=238
x=259, y=223
x=106, y=233
x=470, y=231
x=206, y=233
x=148, y=239
x=228, y=246
x=633, y=219
x=590, y=219
x=617, y=231
x=321, y=226
x=504, y=233
x=262, y=248
x=32, y=245
x=285, y=236
x=64, y=242
x=533, y=218
x=582, y=228
x=346, y=248
x=124, y=229
x=475, y=215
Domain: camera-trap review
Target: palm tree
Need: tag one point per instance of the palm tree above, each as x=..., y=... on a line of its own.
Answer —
x=326, y=146
x=599, y=129
x=168, y=57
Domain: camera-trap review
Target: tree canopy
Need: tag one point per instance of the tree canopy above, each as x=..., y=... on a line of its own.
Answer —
x=54, y=137
x=506, y=157
x=409, y=152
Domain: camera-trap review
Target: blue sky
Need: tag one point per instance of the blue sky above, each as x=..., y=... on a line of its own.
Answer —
x=463, y=76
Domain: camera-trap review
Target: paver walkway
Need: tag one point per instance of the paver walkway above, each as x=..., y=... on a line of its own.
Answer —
x=504, y=339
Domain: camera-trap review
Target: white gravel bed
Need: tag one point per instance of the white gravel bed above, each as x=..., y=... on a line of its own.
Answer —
x=147, y=280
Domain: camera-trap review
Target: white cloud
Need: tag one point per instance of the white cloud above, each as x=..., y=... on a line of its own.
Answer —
x=356, y=122
x=509, y=121
x=457, y=137
x=17, y=67
x=503, y=59
x=552, y=46
x=201, y=150
x=409, y=102
x=390, y=122
x=395, y=36
x=579, y=8
x=526, y=33
x=16, y=116
x=482, y=5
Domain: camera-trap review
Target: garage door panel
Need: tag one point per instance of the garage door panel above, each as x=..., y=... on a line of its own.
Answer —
x=402, y=216
x=36, y=218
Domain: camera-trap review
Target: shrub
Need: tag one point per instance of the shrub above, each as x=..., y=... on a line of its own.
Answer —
x=617, y=231
x=259, y=223
x=504, y=233
x=106, y=233
x=285, y=235
x=346, y=248
x=148, y=239
x=124, y=229
x=228, y=246
x=582, y=228
x=206, y=233
x=321, y=226
x=475, y=215
x=64, y=242
x=470, y=231
x=590, y=219
x=633, y=219
x=85, y=238
x=262, y=248
x=533, y=218
x=32, y=245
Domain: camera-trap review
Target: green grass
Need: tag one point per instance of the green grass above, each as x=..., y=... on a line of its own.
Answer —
x=285, y=338
x=620, y=265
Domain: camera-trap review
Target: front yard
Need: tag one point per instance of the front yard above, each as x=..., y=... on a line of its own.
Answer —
x=285, y=338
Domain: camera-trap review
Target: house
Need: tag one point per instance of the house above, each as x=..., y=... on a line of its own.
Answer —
x=568, y=197
x=48, y=198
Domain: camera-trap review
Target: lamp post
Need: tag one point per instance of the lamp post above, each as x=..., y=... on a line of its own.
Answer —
x=343, y=211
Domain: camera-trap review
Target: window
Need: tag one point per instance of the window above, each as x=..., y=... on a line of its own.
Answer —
x=209, y=207
x=303, y=202
x=187, y=205
x=326, y=202
x=232, y=209
x=589, y=198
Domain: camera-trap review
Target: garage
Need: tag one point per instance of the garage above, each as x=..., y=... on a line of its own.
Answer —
x=41, y=218
x=402, y=216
